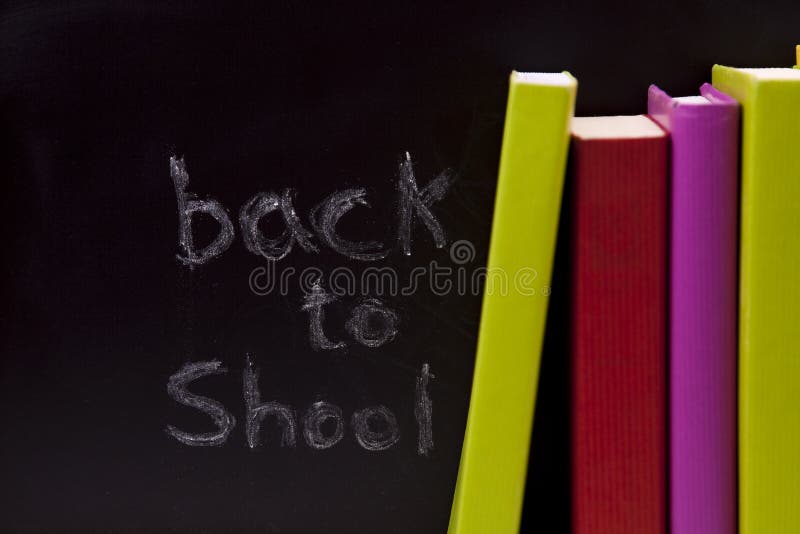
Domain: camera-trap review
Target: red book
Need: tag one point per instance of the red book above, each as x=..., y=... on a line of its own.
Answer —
x=618, y=316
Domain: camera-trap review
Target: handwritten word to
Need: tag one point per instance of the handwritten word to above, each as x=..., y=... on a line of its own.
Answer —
x=371, y=324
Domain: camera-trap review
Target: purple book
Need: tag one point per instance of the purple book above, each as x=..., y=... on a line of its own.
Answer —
x=703, y=307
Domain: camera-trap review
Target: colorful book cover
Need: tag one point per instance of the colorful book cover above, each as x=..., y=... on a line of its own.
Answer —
x=704, y=235
x=491, y=478
x=769, y=301
x=618, y=354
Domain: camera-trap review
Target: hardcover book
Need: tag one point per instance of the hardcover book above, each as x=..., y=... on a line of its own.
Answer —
x=769, y=301
x=491, y=478
x=619, y=280
x=704, y=134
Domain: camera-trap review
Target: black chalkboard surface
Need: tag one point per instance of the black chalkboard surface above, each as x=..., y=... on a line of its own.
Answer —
x=231, y=301
x=242, y=250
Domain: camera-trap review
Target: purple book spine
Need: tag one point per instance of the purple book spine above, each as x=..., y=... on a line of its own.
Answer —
x=703, y=308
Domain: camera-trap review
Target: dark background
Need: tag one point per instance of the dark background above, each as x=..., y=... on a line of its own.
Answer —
x=97, y=313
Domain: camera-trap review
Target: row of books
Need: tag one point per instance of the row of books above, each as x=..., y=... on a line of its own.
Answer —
x=685, y=309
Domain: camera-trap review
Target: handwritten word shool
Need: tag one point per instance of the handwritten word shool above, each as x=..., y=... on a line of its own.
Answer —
x=412, y=202
x=374, y=428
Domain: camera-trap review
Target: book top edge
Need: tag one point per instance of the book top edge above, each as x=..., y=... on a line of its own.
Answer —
x=692, y=100
x=770, y=73
x=558, y=79
x=615, y=127
x=774, y=74
x=659, y=102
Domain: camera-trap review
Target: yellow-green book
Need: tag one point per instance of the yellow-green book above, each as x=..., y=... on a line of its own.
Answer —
x=491, y=477
x=769, y=301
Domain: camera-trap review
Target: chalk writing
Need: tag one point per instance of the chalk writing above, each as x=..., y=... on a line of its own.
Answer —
x=412, y=200
x=375, y=440
x=275, y=249
x=323, y=218
x=176, y=388
x=375, y=428
x=188, y=205
x=313, y=303
x=319, y=413
x=256, y=412
x=372, y=323
x=423, y=412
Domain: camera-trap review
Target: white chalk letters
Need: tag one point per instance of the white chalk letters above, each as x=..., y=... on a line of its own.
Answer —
x=374, y=428
x=323, y=218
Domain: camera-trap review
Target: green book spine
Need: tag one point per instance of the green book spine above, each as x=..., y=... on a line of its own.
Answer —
x=491, y=478
x=769, y=301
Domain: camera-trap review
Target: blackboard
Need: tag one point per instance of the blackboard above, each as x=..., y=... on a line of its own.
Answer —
x=322, y=111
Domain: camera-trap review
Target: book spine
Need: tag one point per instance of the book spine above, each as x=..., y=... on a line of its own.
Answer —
x=491, y=478
x=703, y=309
x=619, y=334
x=769, y=314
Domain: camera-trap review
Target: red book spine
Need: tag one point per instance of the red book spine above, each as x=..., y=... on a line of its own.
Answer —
x=618, y=336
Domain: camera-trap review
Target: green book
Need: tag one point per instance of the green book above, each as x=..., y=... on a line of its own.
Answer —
x=769, y=301
x=494, y=458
